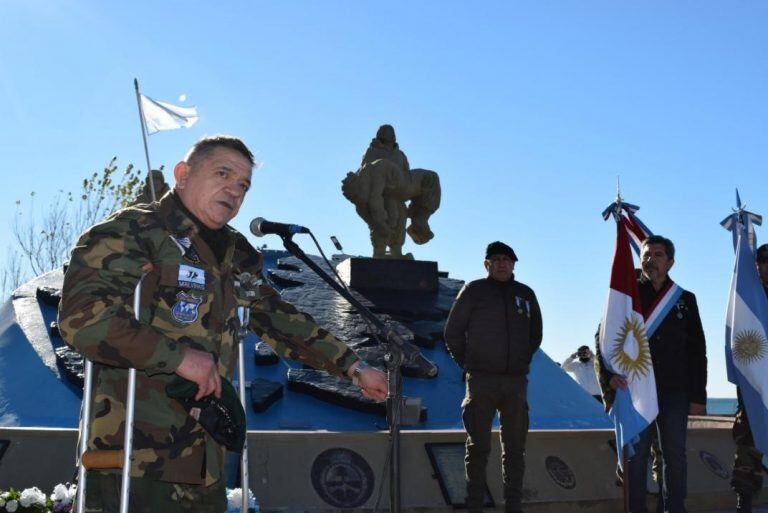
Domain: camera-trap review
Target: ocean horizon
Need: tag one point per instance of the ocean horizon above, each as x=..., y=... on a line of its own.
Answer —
x=721, y=406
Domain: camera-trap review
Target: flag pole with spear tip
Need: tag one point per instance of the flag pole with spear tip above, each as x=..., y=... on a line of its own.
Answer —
x=144, y=138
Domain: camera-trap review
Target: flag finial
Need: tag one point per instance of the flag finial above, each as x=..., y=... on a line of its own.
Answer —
x=741, y=216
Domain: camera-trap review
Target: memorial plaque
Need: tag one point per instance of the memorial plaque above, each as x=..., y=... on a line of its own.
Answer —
x=447, y=461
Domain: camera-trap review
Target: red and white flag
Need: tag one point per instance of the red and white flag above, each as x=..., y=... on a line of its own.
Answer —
x=624, y=345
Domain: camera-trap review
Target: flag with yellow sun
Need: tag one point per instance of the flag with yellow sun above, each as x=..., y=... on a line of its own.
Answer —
x=624, y=346
x=746, y=326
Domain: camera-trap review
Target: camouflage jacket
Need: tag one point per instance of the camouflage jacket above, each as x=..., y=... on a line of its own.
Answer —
x=186, y=300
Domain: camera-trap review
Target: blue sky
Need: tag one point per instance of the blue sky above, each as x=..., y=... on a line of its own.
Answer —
x=527, y=110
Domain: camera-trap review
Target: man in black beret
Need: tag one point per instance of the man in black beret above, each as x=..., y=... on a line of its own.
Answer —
x=492, y=332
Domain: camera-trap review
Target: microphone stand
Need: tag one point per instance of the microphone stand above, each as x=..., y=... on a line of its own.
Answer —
x=393, y=358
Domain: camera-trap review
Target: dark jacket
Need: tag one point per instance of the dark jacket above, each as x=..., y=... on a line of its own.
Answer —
x=678, y=348
x=494, y=327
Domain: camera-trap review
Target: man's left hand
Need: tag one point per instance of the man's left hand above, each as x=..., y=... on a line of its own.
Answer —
x=372, y=382
x=697, y=409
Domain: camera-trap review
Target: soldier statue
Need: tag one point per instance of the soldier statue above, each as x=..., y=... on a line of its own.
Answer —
x=380, y=188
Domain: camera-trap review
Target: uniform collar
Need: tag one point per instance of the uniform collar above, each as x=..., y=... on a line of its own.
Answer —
x=176, y=217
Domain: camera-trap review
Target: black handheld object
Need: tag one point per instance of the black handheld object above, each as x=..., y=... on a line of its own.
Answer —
x=223, y=419
x=261, y=227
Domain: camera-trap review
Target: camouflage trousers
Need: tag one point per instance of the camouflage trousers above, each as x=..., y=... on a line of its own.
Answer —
x=486, y=394
x=102, y=495
x=747, y=474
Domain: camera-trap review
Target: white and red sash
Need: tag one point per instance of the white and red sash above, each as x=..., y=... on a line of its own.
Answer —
x=664, y=302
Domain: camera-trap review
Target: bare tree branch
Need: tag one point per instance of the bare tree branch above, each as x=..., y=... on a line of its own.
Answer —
x=43, y=240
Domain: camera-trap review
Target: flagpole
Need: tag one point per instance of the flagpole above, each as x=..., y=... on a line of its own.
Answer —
x=144, y=137
x=625, y=480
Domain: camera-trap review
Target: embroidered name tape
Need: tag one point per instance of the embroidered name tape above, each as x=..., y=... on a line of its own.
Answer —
x=191, y=277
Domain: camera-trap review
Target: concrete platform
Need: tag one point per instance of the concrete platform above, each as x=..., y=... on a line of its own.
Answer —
x=325, y=472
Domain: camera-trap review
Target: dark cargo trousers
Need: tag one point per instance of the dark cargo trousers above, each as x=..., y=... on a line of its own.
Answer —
x=487, y=394
x=747, y=477
x=102, y=495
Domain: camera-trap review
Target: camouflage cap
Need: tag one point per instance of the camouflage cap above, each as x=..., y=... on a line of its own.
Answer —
x=223, y=419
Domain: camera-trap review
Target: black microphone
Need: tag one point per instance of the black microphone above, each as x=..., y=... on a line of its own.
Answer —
x=261, y=227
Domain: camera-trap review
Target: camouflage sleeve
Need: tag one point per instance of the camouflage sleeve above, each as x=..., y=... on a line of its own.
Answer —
x=96, y=314
x=296, y=335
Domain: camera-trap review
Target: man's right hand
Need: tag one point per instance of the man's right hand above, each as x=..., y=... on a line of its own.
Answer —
x=618, y=382
x=199, y=367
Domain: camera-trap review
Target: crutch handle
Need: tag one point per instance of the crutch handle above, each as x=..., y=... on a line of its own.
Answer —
x=105, y=459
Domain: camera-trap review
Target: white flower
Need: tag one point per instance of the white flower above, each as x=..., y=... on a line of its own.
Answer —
x=72, y=492
x=2, y=501
x=61, y=494
x=32, y=496
x=235, y=500
x=11, y=506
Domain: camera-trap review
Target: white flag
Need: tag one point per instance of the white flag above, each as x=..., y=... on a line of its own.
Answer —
x=164, y=116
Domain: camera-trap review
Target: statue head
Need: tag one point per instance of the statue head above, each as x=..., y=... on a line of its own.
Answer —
x=386, y=135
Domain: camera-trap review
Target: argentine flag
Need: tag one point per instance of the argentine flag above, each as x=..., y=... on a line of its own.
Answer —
x=624, y=348
x=746, y=347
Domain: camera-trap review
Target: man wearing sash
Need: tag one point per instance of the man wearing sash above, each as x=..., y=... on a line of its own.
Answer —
x=678, y=353
x=747, y=476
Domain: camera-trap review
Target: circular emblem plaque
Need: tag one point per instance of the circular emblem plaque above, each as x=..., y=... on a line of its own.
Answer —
x=342, y=478
x=560, y=472
x=712, y=463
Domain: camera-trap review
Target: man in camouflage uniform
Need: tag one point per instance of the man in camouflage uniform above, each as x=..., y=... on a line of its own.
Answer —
x=747, y=477
x=177, y=262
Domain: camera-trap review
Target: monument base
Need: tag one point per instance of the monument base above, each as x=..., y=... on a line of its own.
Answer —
x=384, y=274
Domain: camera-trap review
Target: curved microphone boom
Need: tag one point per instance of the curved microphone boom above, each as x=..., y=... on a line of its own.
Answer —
x=261, y=227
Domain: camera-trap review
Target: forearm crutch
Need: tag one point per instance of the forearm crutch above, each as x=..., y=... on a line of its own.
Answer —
x=244, y=314
x=108, y=459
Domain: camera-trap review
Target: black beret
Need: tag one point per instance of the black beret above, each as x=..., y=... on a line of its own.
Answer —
x=499, y=248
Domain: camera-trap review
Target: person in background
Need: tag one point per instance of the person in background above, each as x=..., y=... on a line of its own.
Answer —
x=581, y=365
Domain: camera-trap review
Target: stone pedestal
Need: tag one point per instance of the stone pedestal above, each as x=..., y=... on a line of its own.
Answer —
x=384, y=274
